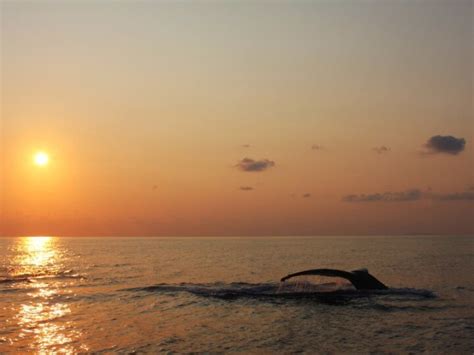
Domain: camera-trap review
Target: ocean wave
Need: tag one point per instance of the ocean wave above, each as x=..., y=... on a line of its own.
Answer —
x=391, y=307
x=464, y=288
x=68, y=274
x=9, y=280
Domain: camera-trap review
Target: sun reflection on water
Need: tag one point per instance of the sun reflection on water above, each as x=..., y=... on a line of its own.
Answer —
x=42, y=319
x=36, y=256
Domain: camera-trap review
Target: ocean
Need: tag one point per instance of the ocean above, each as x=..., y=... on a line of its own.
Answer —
x=203, y=294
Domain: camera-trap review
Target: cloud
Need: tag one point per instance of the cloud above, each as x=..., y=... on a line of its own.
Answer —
x=455, y=196
x=445, y=144
x=252, y=165
x=403, y=196
x=381, y=150
x=306, y=195
x=317, y=147
x=410, y=195
x=246, y=188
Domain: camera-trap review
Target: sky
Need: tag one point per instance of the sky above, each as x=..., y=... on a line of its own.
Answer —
x=184, y=118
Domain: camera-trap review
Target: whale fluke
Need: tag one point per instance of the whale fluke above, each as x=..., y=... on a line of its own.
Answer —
x=361, y=279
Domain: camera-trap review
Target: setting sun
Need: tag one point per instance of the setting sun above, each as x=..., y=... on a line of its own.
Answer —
x=41, y=158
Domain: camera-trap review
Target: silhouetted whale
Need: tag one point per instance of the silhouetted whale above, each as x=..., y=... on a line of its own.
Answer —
x=361, y=279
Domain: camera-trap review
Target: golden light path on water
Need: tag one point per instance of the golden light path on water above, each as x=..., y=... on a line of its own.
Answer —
x=40, y=318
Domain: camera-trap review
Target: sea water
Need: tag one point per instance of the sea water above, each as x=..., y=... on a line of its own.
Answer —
x=223, y=295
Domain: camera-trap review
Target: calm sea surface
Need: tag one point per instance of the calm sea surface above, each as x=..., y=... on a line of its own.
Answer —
x=224, y=294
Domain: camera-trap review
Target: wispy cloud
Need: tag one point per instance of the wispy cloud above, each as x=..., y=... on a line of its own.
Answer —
x=402, y=196
x=381, y=150
x=455, y=196
x=251, y=165
x=246, y=188
x=445, y=144
x=410, y=195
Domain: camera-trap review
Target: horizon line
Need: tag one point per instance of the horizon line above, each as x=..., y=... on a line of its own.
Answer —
x=243, y=236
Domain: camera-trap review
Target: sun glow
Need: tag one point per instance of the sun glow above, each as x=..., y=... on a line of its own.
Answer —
x=41, y=158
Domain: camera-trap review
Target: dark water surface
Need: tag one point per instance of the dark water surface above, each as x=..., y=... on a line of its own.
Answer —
x=223, y=294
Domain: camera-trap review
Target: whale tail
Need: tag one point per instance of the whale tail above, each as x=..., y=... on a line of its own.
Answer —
x=361, y=279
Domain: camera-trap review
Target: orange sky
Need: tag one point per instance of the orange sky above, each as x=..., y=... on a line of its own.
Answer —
x=145, y=109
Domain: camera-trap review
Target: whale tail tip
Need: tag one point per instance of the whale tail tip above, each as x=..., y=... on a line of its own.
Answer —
x=361, y=270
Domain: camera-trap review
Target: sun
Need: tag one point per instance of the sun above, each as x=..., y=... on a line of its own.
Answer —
x=41, y=158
